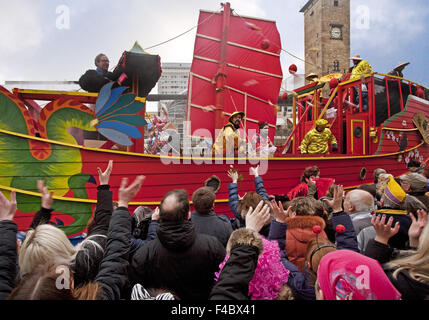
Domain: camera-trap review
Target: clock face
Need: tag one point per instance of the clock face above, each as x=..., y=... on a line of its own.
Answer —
x=336, y=33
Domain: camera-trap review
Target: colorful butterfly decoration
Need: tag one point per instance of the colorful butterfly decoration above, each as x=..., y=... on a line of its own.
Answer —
x=116, y=115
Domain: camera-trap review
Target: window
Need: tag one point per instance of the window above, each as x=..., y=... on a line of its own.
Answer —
x=335, y=3
x=336, y=66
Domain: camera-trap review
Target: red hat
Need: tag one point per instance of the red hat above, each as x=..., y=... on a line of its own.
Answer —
x=348, y=275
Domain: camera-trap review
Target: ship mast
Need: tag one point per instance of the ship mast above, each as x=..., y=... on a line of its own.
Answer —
x=220, y=77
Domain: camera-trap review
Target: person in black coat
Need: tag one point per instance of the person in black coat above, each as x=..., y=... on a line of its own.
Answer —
x=94, y=80
x=205, y=220
x=8, y=247
x=181, y=259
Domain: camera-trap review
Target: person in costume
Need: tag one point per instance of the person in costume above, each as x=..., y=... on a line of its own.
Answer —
x=230, y=136
x=312, y=77
x=261, y=143
x=360, y=69
x=316, y=141
x=397, y=71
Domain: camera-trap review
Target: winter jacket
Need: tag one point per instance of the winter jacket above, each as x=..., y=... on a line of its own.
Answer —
x=233, y=201
x=296, y=281
x=409, y=288
x=87, y=262
x=212, y=225
x=8, y=258
x=346, y=240
x=316, y=142
x=400, y=240
x=298, y=235
x=361, y=220
x=113, y=274
x=233, y=282
x=180, y=260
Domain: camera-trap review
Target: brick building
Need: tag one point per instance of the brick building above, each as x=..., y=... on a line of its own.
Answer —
x=327, y=36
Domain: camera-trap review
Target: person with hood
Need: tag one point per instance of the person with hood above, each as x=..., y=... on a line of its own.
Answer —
x=229, y=141
x=317, y=140
x=348, y=275
x=180, y=259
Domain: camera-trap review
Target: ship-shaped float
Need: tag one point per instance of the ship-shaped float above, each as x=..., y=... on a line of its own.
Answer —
x=231, y=71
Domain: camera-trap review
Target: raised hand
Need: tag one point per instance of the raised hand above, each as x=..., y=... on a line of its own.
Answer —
x=417, y=227
x=279, y=213
x=105, y=176
x=337, y=202
x=384, y=231
x=126, y=194
x=155, y=214
x=254, y=171
x=256, y=219
x=233, y=174
x=7, y=208
x=47, y=196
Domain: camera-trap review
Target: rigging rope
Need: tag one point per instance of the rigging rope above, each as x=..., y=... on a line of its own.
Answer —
x=183, y=33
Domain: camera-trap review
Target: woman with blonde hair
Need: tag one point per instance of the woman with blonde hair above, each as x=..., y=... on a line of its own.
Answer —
x=45, y=243
x=51, y=280
x=409, y=269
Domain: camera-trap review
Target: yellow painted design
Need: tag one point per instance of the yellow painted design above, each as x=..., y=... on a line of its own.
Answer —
x=327, y=158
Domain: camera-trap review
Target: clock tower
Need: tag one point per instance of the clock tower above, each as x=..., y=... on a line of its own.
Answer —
x=327, y=36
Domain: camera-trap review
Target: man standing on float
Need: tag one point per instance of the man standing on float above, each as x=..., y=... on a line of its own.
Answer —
x=230, y=136
x=316, y=140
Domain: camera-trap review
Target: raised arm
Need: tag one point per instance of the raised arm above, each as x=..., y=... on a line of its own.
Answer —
x=113, y=274
x=8, y=247
x=104, y=208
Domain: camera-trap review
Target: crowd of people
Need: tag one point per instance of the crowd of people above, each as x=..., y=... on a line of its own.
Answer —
x=320, y=243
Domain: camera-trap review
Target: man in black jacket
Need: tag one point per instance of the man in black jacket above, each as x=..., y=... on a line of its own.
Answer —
x=206, y=220
x=180, y=260
x=94, y=80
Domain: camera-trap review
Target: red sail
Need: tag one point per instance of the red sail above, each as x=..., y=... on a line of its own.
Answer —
x=253, y=74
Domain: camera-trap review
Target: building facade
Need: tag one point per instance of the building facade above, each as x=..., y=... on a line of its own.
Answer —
x=327, y=36
x=174, y=80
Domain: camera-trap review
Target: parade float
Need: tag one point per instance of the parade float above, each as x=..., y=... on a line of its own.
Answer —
x=236, y=67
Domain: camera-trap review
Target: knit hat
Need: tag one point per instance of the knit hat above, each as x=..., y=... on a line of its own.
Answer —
x=348, y=275
x=417, y=182
x=394, y=192
x=270, y=274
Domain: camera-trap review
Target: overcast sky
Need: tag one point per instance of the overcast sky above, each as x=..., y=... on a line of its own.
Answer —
x=37, y=43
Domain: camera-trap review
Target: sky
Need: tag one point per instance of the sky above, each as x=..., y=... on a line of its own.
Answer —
x=58, y=39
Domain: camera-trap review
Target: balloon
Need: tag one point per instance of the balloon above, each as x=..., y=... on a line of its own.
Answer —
x=265, y=44
x=333, y=83
x=284, y=96
x=293, y=69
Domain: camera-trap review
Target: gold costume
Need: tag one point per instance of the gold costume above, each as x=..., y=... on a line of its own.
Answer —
x=229, y=136
x=316, y=142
